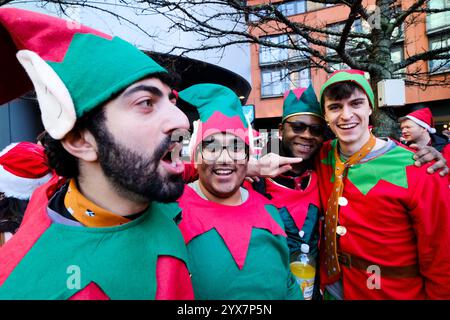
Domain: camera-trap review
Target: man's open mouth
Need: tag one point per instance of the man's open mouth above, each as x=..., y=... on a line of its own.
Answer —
x=172, y=159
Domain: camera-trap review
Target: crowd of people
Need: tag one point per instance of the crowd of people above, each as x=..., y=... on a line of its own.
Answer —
x=104, y=207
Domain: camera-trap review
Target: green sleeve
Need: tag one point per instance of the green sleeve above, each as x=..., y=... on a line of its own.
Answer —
x=294, y=292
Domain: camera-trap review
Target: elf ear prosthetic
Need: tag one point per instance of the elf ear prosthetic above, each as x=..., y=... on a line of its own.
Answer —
x=56, y=105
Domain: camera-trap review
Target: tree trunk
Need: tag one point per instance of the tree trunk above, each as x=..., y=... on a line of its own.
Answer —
x=384, y=119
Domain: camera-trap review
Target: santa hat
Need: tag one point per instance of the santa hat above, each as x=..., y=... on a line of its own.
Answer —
x=350, y=75
x=423, y=118
x=23, y=168
x=220, y=110
x=301, y=101
x=73, y=68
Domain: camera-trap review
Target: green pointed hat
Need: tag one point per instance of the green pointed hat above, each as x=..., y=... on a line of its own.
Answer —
x=73, y=68
x=351, y=75
x=301, y=101
x=220, y=110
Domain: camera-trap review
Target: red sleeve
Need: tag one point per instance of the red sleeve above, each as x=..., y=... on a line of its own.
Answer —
x=430, y=212
x=173, y=280
x=190, y=174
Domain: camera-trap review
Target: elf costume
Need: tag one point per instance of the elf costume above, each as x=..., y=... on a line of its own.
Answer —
x=235, y=252
x=391, y=230
x=55, y=255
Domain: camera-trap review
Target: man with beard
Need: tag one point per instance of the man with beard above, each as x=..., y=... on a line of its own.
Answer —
x=96, y=231
x=236, y=243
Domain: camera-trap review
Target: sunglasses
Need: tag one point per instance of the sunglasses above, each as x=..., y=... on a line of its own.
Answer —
x=316, y=130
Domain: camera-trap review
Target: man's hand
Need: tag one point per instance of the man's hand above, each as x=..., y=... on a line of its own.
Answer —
x=270, y=165
x=426, y=154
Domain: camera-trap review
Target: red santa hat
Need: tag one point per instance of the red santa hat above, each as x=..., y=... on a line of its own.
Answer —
x=423, y=118
x=23, y=168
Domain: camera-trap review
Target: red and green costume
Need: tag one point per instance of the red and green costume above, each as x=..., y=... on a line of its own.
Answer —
x=397, y=216
x=143, y=259
x=236, y=252
x=299, y=210
x=75, y=69
x=297, y=195
x=393, y=234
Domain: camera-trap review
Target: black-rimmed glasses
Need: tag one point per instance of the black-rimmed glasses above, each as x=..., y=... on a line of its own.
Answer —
x=212, y=150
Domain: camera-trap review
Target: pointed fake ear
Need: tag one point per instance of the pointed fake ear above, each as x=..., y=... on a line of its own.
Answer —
x=57, y=108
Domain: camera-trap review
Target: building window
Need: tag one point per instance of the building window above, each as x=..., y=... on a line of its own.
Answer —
x=397, y=57
x=292, y=7
x=359, y=26
x=438, y=20
x=275, y=81
x=287, y=8
x=397, y=54
x=437, y=42
x=272, y=55
x=338, y=66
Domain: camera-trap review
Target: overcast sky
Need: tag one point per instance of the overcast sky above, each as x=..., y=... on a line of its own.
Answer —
x=236, y=58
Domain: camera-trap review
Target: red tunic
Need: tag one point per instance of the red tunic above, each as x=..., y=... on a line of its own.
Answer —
x=397, y=215
x=296, y=201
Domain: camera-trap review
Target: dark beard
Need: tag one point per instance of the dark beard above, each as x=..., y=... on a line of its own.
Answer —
x=133, y=175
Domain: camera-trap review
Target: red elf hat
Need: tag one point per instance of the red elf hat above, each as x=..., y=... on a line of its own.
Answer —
x=23, y=168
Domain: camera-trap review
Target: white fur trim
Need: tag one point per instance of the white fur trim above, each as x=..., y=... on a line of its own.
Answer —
x=18, y=187
x=421, y=123
x=7, y=148
x=57, y=108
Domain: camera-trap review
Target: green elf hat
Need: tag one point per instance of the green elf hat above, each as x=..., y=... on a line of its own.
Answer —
x=73, y=68
x=220, y=110
x=301, y=101
x=350, y=75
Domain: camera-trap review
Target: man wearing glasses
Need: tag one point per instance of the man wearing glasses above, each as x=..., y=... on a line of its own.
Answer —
x=236, y=242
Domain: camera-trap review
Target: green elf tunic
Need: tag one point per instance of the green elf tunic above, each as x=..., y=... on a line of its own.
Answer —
x=142, y=259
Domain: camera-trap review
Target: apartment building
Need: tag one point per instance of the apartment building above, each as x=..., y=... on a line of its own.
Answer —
x=275, y=70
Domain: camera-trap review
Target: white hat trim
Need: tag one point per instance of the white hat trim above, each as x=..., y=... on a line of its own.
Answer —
x=57, y=108
x=19, y=187
x=7, y=148
x=421, y=123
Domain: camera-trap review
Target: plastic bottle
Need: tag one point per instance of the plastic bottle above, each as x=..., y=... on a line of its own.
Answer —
x=303, y=267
